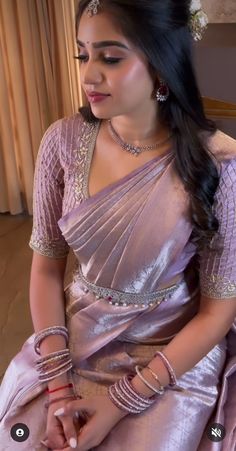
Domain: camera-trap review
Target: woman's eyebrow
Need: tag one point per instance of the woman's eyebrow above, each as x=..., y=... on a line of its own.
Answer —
x=101, y=44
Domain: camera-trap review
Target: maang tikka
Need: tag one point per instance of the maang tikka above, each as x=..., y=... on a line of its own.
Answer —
x=92, y=8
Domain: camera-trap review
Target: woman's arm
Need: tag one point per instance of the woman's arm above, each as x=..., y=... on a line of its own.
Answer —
x=217, y=270
x=189, y=346
x=48, y=309
x=193, y=342
x=47, y=304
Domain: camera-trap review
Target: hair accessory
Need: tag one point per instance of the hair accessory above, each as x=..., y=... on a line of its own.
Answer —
x=147, y=383
x=173, y=379
x=198, y=21
x=92, y=8
x=163, y=91
x=134, y=150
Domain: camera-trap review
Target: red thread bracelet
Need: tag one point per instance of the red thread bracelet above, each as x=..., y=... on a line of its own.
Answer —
x=59, y=388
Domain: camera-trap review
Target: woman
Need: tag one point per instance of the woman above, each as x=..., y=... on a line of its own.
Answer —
x=141, y=186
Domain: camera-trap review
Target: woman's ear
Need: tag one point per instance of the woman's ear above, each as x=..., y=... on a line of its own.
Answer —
x=156, y=84
x=155, y=79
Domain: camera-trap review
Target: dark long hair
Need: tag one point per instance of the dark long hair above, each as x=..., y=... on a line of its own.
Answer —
x=160, y=29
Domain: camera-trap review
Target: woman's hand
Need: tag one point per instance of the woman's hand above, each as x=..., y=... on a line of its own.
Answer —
x=59, y=432
x=102, y=416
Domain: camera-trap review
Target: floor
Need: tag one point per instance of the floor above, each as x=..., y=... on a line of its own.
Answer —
x=15, y=261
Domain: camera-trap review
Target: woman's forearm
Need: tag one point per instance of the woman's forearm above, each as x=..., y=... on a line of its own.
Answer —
x=48, y=309
x=188, y=347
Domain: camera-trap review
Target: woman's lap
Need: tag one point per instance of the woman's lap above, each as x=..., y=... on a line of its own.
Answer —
x=175, y=423
x=178, y=419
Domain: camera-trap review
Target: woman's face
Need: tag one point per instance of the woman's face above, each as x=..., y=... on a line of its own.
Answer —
x=114, y=75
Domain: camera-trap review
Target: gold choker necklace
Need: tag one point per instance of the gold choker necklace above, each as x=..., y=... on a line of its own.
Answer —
x=134, y=150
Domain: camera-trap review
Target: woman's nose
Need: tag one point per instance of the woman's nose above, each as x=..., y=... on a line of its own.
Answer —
x=90, y=74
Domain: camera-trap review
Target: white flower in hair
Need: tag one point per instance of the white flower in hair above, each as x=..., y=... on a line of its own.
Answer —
x=198, y=21
x=195, y=6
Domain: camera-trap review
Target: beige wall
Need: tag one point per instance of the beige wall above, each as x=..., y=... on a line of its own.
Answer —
x=220, y=10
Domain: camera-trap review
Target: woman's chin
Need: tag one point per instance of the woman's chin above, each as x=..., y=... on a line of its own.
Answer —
x=99, y=114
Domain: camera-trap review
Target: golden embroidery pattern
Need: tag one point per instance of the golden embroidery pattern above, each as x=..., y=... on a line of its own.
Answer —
x=84, y=157
x=217, y=287
x=49, y=249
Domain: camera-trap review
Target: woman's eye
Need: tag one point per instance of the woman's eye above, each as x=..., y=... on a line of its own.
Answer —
x=81, y=57
x=105, y=59
x=110, y=60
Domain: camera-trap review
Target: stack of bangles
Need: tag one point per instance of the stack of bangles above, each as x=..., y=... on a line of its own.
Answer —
x=122, y=393
x=126, y=398
x=55, y=363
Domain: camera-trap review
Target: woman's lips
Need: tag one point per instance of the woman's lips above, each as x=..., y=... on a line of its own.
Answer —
x=96, y=97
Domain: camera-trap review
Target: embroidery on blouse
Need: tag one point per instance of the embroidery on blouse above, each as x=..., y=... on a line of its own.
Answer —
x=48, y=248
x=217, y=287
x=84, y=154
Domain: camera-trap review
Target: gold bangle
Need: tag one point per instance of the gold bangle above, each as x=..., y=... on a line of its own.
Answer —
x=155, y=377
x=147, y=383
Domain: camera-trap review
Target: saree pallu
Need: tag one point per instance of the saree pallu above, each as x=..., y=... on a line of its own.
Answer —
x=135, y=287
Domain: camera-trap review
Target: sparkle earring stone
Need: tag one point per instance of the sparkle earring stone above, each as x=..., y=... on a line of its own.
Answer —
x=162, y=92
x=92, y=8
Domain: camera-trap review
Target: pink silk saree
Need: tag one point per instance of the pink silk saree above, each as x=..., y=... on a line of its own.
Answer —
x=135, y=287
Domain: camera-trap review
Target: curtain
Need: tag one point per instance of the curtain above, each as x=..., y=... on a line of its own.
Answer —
x=39, y=83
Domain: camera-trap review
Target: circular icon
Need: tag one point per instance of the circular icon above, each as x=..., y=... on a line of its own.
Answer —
x=216, y=432
x=19, y=432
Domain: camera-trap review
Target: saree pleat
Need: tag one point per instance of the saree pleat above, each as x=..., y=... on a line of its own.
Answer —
x=107, y=231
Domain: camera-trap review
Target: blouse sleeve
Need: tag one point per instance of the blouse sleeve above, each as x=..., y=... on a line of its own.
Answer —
x=218, y=259
x=46, y=237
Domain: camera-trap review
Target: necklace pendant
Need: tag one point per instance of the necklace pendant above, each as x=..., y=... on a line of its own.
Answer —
x=132, y=149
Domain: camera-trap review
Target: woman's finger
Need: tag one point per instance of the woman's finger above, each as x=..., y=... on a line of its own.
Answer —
x=75, y=406
x=45, y=442
x=89, y=436
x=71, y=430
x=55, y=437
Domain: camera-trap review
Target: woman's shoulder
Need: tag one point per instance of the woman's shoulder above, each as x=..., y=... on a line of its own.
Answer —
x=72, y=124
x=68, y=132
x=222, y=146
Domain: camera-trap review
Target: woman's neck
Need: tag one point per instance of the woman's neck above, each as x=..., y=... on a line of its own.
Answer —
x=139, y=130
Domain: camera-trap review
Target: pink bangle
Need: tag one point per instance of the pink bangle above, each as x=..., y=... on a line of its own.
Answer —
x=172, y=375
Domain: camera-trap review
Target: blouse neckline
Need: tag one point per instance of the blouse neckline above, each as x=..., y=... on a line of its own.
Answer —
x=88, y=162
